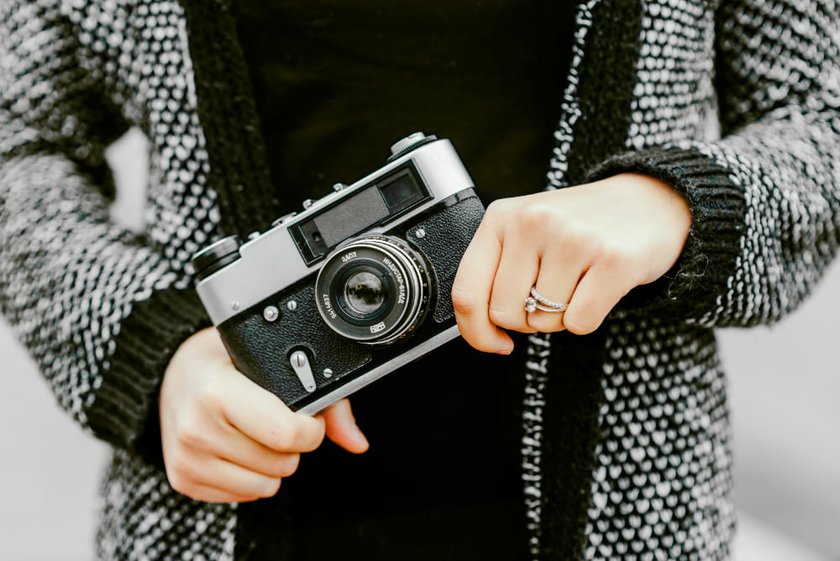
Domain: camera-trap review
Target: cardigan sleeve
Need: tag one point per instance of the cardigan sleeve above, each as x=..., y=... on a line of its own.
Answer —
x=99, y=308
x=766, y=197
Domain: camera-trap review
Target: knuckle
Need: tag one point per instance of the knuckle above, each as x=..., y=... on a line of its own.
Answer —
x=579, y=236
x=283, y=438
x=481, y=344
x=503, y=318
x=494, y=210
x=179, y=476
x=188, y=490
x=579, y=324
x=190, y=434
x=543, y=324
x=537, y=216
x=270, y=488
x=175, y=481
x=463, y=301
x=289, y=465
x=613, y=256
x=211, y=397
x=314, y=435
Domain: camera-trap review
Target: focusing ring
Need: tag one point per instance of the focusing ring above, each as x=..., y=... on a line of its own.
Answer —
x=403, y=271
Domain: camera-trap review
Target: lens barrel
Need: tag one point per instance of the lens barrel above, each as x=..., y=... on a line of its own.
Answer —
x=374, y=290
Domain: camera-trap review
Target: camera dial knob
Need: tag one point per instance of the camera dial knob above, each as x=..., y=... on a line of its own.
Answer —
x=404, y=143
x=409, y=143
x=215, y=256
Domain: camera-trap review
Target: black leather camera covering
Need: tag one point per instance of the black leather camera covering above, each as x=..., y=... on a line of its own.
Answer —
x=261, y=349
x=447, y=235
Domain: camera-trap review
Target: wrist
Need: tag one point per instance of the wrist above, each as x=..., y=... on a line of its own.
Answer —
x=657, y=187
x=666, y=202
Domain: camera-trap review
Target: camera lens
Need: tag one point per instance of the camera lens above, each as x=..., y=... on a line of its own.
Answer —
x=374, y=290
x=364, y=293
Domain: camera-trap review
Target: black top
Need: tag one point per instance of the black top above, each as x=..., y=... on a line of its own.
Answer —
x=336, y=83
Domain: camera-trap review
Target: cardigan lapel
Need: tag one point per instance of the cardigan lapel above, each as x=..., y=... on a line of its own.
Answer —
x=236, y=152
x=247, y=201
x=563, y=377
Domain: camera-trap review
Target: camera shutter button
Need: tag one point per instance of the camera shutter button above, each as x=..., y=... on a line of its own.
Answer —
x=303, y=369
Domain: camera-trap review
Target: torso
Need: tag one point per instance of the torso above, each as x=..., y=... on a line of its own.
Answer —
x=336, y=83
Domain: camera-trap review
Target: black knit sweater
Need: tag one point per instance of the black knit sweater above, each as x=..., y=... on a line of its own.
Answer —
x=332, y=81
x=625, y=450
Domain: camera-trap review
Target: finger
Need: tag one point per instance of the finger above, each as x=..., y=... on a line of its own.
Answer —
x=242, y=450
x=471, y=292
x=514, y=278
x=342, y=429
x=560, y=270
x=262, y=416
x=213, y=495
x=597, y=293
x=189, y=474
x=226, y=476
x=212, y=346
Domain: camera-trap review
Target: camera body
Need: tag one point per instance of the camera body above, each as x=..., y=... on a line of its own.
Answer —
x=356, y=285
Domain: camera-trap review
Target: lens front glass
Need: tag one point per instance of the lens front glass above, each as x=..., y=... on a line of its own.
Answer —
x=365, y=293
x=373, y=290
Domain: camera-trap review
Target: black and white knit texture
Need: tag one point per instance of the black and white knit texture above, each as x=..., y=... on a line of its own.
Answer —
x=736, y=105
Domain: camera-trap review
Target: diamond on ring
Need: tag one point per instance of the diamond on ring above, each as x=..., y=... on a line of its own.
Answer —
x=530, y=304
x=539, y=302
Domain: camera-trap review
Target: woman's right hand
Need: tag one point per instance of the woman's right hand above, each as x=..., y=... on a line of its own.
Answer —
x=225, y=439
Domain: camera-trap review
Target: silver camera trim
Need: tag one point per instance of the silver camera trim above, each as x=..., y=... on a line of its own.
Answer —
x=385, y=368
x=271, y=262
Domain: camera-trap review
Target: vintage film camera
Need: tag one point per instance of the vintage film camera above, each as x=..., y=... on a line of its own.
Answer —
x=351, y=288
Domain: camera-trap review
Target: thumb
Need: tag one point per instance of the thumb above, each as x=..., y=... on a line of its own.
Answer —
x=342, y=429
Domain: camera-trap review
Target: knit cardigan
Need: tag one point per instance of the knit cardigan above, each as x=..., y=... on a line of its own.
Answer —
x=625, y=435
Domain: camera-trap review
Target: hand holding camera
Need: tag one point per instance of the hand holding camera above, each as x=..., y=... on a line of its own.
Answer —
x=582, y=248
x=224, y=438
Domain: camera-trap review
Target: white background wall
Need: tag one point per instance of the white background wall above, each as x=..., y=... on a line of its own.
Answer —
x=785, y=386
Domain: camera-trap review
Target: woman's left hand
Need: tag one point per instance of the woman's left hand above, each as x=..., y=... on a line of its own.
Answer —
x=585, y=246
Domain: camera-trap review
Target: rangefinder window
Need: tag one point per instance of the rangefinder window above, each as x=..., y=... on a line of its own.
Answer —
x=351, y=216
x=360, y=211
x=402, y=191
